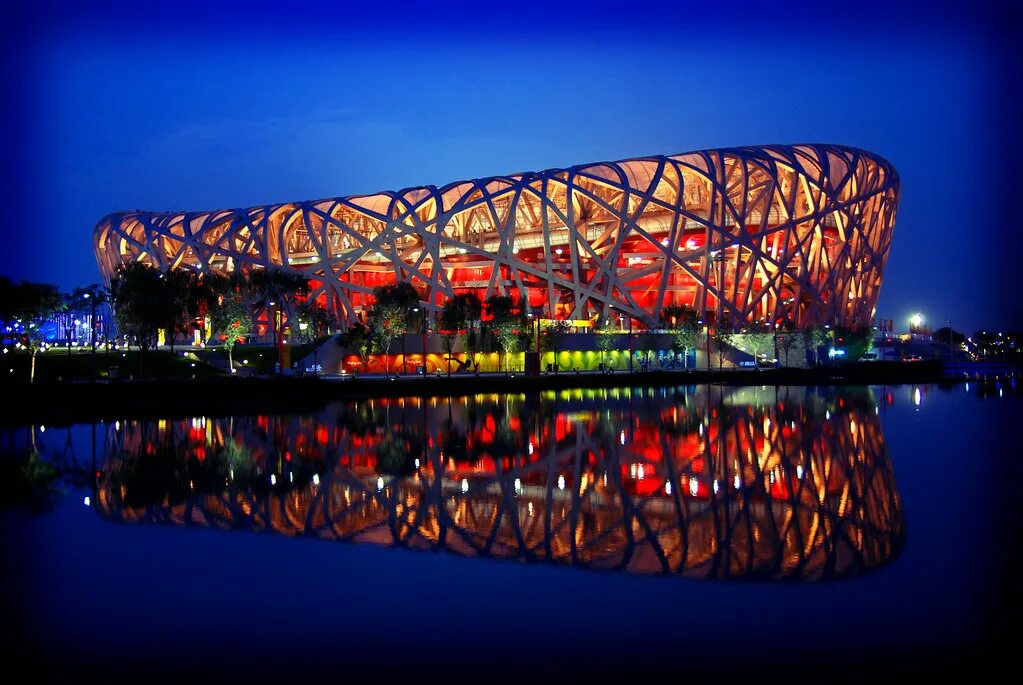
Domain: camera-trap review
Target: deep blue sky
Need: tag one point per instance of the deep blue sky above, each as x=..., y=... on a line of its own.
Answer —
x=185, y=108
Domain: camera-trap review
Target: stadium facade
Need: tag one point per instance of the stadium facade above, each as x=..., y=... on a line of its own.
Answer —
x=797, y=234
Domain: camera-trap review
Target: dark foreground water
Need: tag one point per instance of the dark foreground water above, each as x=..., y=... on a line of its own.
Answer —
x=773, y=533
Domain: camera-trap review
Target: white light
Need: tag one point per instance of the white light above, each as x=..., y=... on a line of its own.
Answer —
x=639, y=472
x=967, y=386
x=316, y=479
x=117, y=425
x=716, y=486
x=515, y=250
x=417, y=462
x=87, y=501
x=799, y=471
x=558, y=251
x=291, y=477
x=42, y=429
x=380, y=483
x=737, y=482
x=273, y=479
x=621, y=438
x=694, y=486
x=530, y=447
x=827, y=415
x=700, y=429
x=518, y=486
x=916, y=397
x=465, y=485
x=561, y=482
x=667, y=487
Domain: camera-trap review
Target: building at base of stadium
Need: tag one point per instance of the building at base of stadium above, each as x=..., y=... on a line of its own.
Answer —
x=777, y=234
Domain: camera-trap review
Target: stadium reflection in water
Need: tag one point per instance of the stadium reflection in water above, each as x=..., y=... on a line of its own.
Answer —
x=710, y=482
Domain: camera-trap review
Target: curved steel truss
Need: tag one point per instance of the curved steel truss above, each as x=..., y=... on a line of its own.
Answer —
x=776, y=233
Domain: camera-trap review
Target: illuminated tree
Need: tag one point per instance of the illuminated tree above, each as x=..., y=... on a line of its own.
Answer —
x=390, y=316
x=29, y=306
x=230, y=319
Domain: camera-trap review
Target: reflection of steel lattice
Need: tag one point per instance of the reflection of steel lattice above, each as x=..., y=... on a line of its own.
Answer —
x=737, y=488
x=775, y=233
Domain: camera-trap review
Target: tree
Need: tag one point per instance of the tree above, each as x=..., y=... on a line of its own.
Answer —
x=509, y=327
x=473, y=315
x=30, y=306
x=684, y=338
x=391, y=314
x=230, y=318
x=203, y=294
x=453, y=318
x=360, y=339
x=94, y=296
x=139, y=297
x=646, y=345
x=814, y=337
x=314, y=321
x=758, y=337
x=788, y=339
x=723, y=336
x=274, y=290
x=607, y=336
x=551, y=336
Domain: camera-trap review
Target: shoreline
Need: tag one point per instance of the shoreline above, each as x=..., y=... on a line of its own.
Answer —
x=83, y=401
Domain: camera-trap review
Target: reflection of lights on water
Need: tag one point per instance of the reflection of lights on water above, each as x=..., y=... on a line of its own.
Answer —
x=967, y=387
x=42, y=429
x=799, y=471
x=518, y=486
x=639, y=472
x=380, y=484
x=605, y=478
x=621, y=438
x=694, y=486
x=916, y=396
x=1000, y=392
x=465, y=485
x=273, y=479
x=231, y=474
x=117, y=425
x=701, y=429
x=529, y=508
x=87, y=501
x=530, y=446
x=291, y=477
x=561, y=482
x=737, y=482
x=667, y=487
x=417, y=462
x=827, y=415
x=852, y=426
x=316, y=479
x=716, y=486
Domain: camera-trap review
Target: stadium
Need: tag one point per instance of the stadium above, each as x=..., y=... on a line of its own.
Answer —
x=793, y=235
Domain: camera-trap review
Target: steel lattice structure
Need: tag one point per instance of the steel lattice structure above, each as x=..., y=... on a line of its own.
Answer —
x=775, y=233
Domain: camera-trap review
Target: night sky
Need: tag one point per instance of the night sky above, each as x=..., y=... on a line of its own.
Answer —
x=186, y=109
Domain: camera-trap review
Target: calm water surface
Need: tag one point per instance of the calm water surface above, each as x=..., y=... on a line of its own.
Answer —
x=700, y=529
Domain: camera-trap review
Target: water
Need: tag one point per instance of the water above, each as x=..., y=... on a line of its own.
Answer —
x=699, y=529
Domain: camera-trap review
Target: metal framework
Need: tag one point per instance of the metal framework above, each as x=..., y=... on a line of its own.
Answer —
x=774, y=234
x=783, y=483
